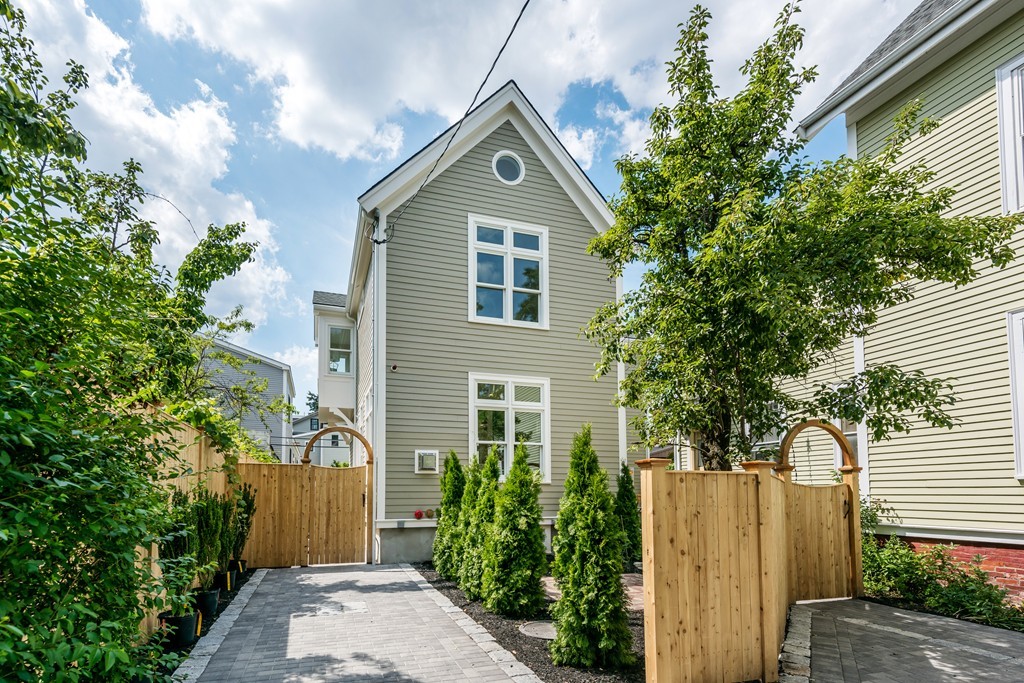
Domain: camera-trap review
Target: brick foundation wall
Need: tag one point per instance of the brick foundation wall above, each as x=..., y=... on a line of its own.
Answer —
x=1004, y=563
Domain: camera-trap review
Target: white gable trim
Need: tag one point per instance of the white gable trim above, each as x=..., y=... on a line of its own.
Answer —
x=949, y=33
x=507, y=104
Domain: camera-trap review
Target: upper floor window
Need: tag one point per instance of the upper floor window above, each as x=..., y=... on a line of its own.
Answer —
x=1015, y=323
x=508, y=273
x=340, y=361
x=1010, y=95
x=508, y=167
x=507, y=411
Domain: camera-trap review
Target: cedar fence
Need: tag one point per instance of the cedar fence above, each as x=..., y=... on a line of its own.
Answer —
x=726, y=553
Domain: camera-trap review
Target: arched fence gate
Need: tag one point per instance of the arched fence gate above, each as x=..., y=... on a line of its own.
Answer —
x=307, y=514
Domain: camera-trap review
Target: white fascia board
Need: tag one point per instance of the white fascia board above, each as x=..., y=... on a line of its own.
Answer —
x=379, y=372
x=362, y=250
x=951, y=32
x=959, y=534
x=508, y=104
x=272, y=362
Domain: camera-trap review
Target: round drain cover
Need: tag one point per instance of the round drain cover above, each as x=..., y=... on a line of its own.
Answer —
x=538, y=629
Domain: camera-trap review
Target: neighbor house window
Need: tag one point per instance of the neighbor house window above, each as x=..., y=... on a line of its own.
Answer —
x=1010, y=93
x=314, y=424
x=340, y=350
x=1015, y=322
x=508, y=273
x=506, y=411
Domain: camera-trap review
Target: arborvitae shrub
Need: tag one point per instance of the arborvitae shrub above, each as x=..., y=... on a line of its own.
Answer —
x=514, y=559
x=629, y=517
x=453, y=482
x=590, y=616
x=209, y=518
x=466, y=508
x=471, y=571
x=582, y=465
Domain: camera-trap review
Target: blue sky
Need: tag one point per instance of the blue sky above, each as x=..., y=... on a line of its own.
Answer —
x=281, y=114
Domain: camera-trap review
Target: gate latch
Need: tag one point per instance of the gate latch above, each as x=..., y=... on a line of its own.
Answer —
x=364, y=499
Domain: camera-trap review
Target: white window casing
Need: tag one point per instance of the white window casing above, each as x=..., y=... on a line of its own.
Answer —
x=508, y=167
x=508, y=273
x=497, y=402
x=1010, y=97
x=1015, y=330
x=340, y=347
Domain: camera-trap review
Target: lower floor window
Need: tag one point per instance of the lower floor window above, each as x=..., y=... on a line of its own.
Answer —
x=506, y=411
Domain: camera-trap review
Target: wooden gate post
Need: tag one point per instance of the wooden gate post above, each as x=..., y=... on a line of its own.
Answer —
x=655, y=521
x=307, y=498
x=851, y=477
x=774, y=558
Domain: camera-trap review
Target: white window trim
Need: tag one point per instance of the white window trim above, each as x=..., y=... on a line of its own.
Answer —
x=1010, y=97
x=351, y=351
x=510, y=252
x=426, y=451
x=1015, y=335
x=511, y=405
x=508, y=153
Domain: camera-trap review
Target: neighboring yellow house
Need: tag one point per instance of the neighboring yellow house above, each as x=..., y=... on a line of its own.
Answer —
x=965, y=60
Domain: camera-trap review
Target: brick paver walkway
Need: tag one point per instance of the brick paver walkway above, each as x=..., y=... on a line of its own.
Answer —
x=355, y=623
x=856, y=640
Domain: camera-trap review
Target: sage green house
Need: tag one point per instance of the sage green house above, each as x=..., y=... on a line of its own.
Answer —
x=965, y=60
x=470, y=283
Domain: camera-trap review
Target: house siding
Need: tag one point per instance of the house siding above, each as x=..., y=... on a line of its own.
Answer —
x=963, y=478
x=435, y=347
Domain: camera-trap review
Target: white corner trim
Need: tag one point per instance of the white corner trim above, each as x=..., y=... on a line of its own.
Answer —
x=620, y=377
x=1009, y=94
x=510, y=406
x=380, y=371
x=508, y=252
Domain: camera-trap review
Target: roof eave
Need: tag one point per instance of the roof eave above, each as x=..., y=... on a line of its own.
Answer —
x=922, y=49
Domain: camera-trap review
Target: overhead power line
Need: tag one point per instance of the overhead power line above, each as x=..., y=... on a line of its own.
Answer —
x=389, y=231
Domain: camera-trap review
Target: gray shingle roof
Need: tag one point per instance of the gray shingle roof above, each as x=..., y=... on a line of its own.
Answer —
x=923, y=15
x=329, y=299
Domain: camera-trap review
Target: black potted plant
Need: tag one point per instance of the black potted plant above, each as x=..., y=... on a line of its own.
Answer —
x=209, y=519
x=227, y=577
x=245, y=512
x=178, y=570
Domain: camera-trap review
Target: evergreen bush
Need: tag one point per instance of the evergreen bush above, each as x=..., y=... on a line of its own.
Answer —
x=453, y=482
x=245, y=512
x=471, y=570
x=591, y=626
x=228, y=531
x=582, y=466
x=209, y=518
x=627, y=509
x=514, y=560
x=466, y=507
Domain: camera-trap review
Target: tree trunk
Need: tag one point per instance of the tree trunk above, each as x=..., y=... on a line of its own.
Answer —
x=715, y=442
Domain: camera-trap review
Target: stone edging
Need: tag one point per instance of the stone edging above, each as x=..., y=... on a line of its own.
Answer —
x=198, y=659
x=517, y=671
x=795, y=660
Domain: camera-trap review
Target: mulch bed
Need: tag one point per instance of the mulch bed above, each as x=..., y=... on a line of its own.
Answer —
x=533, y=652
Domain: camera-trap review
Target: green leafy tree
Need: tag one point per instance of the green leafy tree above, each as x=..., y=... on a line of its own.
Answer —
x=471, y=569
x=312, y=402
x=583, y=464
x=628, y=511
x=453, y=483
x=591, y=625
x=514, y=560
x=759, y=265
x=466, y=507
x=92, y=331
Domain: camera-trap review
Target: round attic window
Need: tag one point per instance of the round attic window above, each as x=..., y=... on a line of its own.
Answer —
x=508, y=167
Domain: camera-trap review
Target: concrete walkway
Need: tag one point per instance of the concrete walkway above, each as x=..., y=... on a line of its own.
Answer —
x=856, y=640
x=356, y=623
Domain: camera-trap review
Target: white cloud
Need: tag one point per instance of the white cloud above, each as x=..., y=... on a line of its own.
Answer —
x=582, y=143
x=183, y=150
x=303, y=360
x=342, y=73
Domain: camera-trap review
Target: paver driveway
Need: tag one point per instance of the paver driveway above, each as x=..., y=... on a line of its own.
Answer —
x=856, y=640
x=356, y=623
